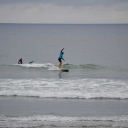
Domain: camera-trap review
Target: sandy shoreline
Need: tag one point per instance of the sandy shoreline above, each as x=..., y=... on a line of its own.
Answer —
x=26, y=106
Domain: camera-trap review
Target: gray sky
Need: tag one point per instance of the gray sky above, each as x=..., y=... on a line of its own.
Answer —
x=64, y=11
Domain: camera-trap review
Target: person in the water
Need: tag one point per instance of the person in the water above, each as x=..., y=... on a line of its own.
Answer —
x=61, y=58
x=20, y=61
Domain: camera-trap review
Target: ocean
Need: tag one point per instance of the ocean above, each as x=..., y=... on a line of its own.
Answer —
x=93, y=94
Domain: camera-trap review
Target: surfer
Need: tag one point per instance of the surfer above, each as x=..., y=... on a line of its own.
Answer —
x=20, y=61
x=60, y=58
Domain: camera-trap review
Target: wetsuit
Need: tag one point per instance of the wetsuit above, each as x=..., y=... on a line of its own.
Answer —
x=60, y=56
x=20, y=61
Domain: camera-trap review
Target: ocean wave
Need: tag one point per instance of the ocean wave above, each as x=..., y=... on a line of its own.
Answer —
x=71, y=66
x=36, y=65
x=62, y=121
x=77, y=98
x=87, y=67
x=88, y=88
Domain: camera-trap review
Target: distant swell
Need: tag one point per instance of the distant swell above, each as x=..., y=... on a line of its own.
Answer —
x=86, y=67
x=71, y=66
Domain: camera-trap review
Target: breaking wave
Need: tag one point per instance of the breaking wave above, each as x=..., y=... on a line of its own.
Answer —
x=91, y=67
x=62, y=121
x=88, y=88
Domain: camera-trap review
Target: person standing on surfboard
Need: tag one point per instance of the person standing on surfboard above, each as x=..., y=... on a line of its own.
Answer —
x=60, y=58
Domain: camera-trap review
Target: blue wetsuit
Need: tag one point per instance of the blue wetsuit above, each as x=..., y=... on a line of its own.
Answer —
x=60, y=56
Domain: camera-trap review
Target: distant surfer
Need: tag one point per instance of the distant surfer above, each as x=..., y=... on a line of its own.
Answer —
x=20, y=61
x=60, y=58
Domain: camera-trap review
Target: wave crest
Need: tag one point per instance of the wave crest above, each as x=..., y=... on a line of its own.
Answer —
x=88, y=88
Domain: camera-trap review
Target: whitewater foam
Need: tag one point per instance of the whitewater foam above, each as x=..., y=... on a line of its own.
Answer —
x=36, y=65
x=60, y=88
x=62, y=121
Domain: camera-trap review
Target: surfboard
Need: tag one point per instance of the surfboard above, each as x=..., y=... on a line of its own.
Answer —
x=64, y=70
x=53, y=68
x=31, y=62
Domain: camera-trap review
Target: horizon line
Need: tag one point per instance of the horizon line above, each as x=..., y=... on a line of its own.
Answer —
x=69, y=23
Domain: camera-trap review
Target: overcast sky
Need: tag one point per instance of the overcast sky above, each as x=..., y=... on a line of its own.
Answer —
x=64, y=11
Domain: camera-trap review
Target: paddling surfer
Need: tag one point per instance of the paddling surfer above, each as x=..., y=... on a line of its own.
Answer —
x=20, y=61
x=61, y=58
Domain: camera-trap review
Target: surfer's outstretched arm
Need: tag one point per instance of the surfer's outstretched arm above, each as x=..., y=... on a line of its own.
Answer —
x=62, y=54
x=63, y=59
x=62, y=49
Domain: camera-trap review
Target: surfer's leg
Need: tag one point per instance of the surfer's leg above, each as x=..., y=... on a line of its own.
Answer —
x=59, y=59
x=60, y=64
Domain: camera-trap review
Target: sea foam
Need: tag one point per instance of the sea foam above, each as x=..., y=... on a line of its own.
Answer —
x=88, y=88
x=62, y=121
